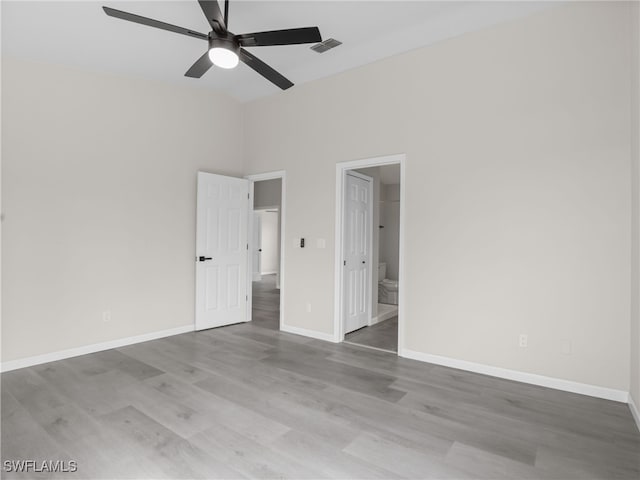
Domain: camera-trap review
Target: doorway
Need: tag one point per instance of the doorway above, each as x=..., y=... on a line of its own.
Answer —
x=382, y=326
x=267, y=200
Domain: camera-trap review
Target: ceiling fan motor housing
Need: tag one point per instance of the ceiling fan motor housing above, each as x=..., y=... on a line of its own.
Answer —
x=228, y=42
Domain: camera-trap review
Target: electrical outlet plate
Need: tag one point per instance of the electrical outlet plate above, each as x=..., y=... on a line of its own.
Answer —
x=523, y=340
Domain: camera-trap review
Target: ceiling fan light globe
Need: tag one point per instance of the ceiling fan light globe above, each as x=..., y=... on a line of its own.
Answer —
x=223, y=57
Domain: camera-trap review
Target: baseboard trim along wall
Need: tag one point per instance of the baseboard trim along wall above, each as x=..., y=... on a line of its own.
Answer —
x=541, y=380
x=96, y=347
x=382, y=317
x=531, y=378
x=308, y=333
x=634, y=411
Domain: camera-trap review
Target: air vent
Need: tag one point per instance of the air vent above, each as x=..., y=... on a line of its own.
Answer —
x=328, y=44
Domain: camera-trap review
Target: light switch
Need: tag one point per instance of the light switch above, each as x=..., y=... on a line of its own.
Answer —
x=321, y=243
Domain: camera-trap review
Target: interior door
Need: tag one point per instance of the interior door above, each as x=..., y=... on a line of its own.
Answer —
x=357, y=252
x=221, y=250
x=257, y=247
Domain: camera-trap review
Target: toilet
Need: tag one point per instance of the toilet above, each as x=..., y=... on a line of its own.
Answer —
x=387, y=289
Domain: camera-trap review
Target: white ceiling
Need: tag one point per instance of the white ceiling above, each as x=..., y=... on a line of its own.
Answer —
x=78, y=33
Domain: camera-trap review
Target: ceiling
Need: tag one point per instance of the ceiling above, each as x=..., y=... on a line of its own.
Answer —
x=79, y=34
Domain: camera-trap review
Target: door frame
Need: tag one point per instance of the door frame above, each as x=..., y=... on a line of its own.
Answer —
x=341, y=170
x=369, y=295
x=282, y=175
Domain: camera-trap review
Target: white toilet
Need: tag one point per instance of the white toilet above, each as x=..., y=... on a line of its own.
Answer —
x=387, y=289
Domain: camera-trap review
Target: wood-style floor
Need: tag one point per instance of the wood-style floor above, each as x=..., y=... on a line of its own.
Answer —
x=383, y=335
x=249, y=401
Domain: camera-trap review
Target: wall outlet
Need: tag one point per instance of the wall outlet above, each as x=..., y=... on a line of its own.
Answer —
x=308, y=308
x=106, y=316
x=523, y=340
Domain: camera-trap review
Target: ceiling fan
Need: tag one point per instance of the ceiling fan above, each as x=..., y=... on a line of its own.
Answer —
x=225, y=48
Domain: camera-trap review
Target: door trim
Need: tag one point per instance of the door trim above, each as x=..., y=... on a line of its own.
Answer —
x=281, y=174
x=341, y=169
x=369, y=260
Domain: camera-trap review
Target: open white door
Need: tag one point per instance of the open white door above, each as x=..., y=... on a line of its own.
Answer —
x=222, y=250
x=356, y=280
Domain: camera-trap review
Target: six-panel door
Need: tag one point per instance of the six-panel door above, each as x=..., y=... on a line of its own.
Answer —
x=221, y=250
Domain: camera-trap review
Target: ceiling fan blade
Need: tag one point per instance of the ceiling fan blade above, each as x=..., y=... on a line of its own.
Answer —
x=291, y=36
x=152, y=23
x=214, y=16
x=200, y=67
x=265, y=70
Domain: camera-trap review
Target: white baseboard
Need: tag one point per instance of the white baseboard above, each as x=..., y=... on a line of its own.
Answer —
x=383, y=317
x=634, y=411
x=541, y=380
x=270, y=272
x=96, y=347
x=308, y=333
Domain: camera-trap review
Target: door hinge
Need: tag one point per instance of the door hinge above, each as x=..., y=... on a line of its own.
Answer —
x=248, y=196
x=247, y=246
x=344, y=263
x=246, y=298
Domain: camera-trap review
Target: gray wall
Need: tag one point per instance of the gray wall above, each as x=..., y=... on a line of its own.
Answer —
x=98, y=196
x=517, y=189
x=635, y=210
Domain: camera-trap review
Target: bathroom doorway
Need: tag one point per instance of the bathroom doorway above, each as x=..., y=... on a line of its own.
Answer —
x=381, y=330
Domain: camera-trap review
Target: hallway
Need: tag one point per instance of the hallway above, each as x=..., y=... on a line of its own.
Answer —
x=265, y=307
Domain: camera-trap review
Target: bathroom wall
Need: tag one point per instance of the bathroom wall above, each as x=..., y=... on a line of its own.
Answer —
x=390, y=234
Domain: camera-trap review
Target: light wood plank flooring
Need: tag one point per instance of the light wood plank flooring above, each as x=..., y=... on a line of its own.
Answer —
x=265, y=306
x=249, y=401
x=383, y=335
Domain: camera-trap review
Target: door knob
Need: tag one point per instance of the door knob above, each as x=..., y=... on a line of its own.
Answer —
x=204, y=259
x=363, y=261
